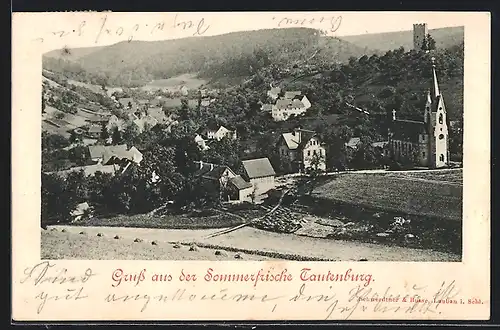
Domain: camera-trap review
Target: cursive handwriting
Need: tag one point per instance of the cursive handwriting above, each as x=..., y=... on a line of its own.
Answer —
x=71, y=294
x=184, y=295
x=334, y=22
x=45, y=272
x=101, y=28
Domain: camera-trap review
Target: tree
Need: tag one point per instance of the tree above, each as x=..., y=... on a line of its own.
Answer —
x=116, y=136
x=428, y=43
x=130, y=134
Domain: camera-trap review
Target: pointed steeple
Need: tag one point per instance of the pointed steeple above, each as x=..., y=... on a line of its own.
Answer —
x=435, y=84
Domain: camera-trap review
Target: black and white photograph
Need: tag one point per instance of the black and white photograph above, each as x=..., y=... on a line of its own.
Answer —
x=303, y=140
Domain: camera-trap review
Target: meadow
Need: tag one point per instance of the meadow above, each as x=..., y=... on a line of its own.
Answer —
x=429, y=195
x=189, y=80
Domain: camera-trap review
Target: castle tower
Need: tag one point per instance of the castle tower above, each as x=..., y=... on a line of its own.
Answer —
x=419, y=33
x=438, y=128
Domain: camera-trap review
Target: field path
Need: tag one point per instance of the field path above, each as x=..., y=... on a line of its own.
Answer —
x=259, y=240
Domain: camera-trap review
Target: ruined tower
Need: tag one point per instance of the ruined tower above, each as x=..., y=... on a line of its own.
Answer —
x=419, y=33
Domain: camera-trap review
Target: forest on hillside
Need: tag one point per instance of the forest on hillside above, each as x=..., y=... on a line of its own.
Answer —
x=136, y=63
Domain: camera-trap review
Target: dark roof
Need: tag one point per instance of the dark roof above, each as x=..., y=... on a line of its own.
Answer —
x=209, y=170
x=258, y=168
x=240, y=183
x=407, y=130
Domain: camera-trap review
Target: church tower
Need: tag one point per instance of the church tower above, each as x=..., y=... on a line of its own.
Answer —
x=419, y=33
x=436, y=122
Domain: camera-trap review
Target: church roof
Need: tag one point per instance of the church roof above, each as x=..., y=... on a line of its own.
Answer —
x=407, y=130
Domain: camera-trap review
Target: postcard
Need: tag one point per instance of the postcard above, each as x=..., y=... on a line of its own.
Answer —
x=244, y=166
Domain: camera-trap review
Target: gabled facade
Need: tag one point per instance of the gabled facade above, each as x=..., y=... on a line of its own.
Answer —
x=220, y=132
x=222, y=180
x=304, y=149
x=260, y=173
x=284, y=108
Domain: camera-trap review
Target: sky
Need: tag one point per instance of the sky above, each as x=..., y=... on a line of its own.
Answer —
x=85, y=29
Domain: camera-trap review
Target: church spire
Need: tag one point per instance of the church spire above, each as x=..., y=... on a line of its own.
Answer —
x=435, y=84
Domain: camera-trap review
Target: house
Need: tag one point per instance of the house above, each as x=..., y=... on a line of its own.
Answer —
x=274, y=92
x=97, y=119
x=89, y=170
x=292, y=95
x=304, y=150
x=201, y=142
x=260, y=173
x=80, y=211
x=353, y=143
x=214, y=132
x=267, y=107
x=95, y=131
x=145, y=122
x=113, y=122
x=127, y=102
x=136, y=155
x=160, y=116
x=223, y=181
x=184, y=90
x=285, y=108
x=205, y=102
x=117, y=154
x=240, y=190
x=422, y=143
x=297, y=95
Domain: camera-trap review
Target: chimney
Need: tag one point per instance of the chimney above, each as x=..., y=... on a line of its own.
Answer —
x=393, y=114
x=201, y=164
x=211, y=167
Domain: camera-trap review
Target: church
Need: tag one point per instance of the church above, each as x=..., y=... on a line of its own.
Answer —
x=424, y=143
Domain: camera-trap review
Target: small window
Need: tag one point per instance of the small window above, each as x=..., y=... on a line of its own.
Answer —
x=423, y=154
x=441, y=158
x=441, y=136
x=308, y=152
x=440, y=117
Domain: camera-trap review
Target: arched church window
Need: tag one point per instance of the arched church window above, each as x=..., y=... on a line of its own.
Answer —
x=441, y=136
x=441, y=158
x=440, y=118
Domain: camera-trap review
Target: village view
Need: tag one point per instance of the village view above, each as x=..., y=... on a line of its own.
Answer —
x=256, y=145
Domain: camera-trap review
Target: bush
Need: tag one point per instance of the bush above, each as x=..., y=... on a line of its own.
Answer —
x=203, y=213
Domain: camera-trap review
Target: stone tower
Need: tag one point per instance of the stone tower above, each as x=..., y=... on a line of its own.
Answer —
x=419, y=33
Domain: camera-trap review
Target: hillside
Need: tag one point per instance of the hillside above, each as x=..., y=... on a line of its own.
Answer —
x=233, y=54
x=72, y=54
x=444, y=37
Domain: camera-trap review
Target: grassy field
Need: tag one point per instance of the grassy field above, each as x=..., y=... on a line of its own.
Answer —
x=59, y=245
x=391, y=193
x=190, y=80
x=182, y=221
x=249, y=243
x=454, y=177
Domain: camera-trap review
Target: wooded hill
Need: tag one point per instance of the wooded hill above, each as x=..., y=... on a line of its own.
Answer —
x=382, y=42
x=138, y=62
